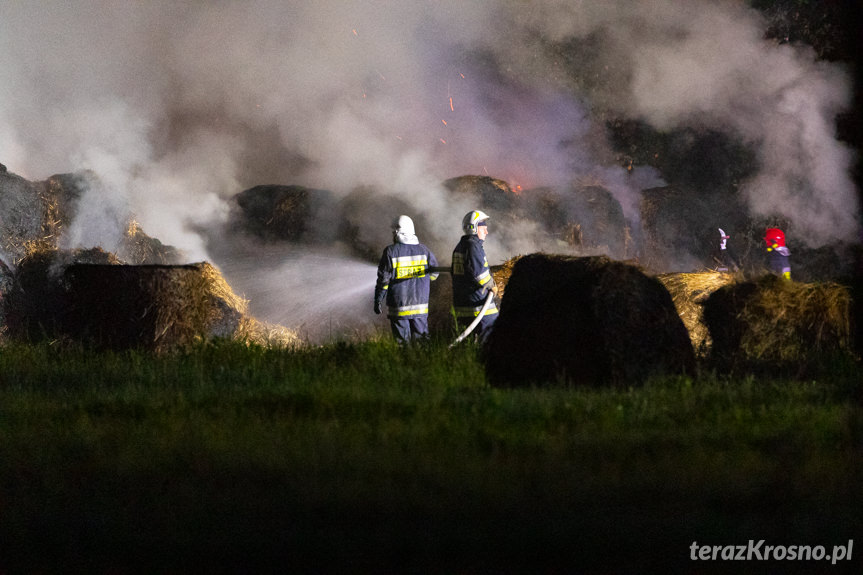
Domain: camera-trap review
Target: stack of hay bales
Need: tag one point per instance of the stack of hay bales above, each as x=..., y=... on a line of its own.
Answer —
x=688, y=292
x=777, y=326
x=586, y=321
x=36, y=214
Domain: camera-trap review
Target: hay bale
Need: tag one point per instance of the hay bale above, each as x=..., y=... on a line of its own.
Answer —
x=36, y=214
x=284, y=213
x=491, y=195
x=688, y=292
x=586, y=321
x=779, y=326
x=88, y=296
x=365, y=222
x=138, y=248
x=254, y=331
x=151, y=307
x=36, y=302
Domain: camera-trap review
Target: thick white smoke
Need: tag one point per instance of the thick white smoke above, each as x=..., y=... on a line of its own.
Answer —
x=178, y=106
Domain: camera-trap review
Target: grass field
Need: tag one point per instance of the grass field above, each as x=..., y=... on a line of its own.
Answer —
x=364, y=457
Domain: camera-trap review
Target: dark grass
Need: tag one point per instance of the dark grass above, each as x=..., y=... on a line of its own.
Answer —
x=364, y=457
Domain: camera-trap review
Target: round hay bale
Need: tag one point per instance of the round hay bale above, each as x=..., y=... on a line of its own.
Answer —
x=37, y=302
x=774, y=325
x=287, y=213
x=585, y=321
x=688, y=292
x=159, y=308
x=365, y=222
x=491, y=193
x=492, y=196
x=150, y=307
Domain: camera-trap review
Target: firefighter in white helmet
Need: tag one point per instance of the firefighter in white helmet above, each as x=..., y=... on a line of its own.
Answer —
x=471, y=276
x=403, y=282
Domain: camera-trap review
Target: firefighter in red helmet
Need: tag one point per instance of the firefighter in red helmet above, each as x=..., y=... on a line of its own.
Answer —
x=778, y=256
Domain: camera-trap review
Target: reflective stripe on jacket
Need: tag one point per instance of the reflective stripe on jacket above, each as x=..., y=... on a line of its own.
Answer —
x=403, y=279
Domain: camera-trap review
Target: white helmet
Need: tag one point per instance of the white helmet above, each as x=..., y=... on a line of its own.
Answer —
x=471, y=220
x=404, y=225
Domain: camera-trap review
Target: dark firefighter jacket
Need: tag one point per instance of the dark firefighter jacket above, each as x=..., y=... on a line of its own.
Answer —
x=403, y=279
x=471, y=278
x=779, y=261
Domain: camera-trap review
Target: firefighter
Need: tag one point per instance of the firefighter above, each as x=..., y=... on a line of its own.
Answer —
x=778, y=256
x=722, y=258
x=471, y=276
x=403, y=281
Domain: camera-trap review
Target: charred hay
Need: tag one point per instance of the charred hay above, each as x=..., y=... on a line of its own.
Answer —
x=584, y=321
x=774, y=326
x=287, y=213
x=688, y=292
x=137, y=248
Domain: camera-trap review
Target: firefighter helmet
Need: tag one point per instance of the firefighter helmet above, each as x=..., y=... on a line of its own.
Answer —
x=404, y=225
x=471, y=220
x=774, y=237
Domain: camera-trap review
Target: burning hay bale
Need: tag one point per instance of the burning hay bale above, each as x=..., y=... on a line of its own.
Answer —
x=688, y=292
x=777, y=325
x=585, y=321
x=289, y=213
x=35, y=216
x=494, y=196
x=365, y=222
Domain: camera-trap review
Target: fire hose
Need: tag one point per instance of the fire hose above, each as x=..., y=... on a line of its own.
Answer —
x=476, y=320
x=469, y=329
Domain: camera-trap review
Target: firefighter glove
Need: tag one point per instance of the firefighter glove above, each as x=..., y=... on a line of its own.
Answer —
x=377, y=307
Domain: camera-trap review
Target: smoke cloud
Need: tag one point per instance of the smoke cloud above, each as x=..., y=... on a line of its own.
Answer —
x=178, y=106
